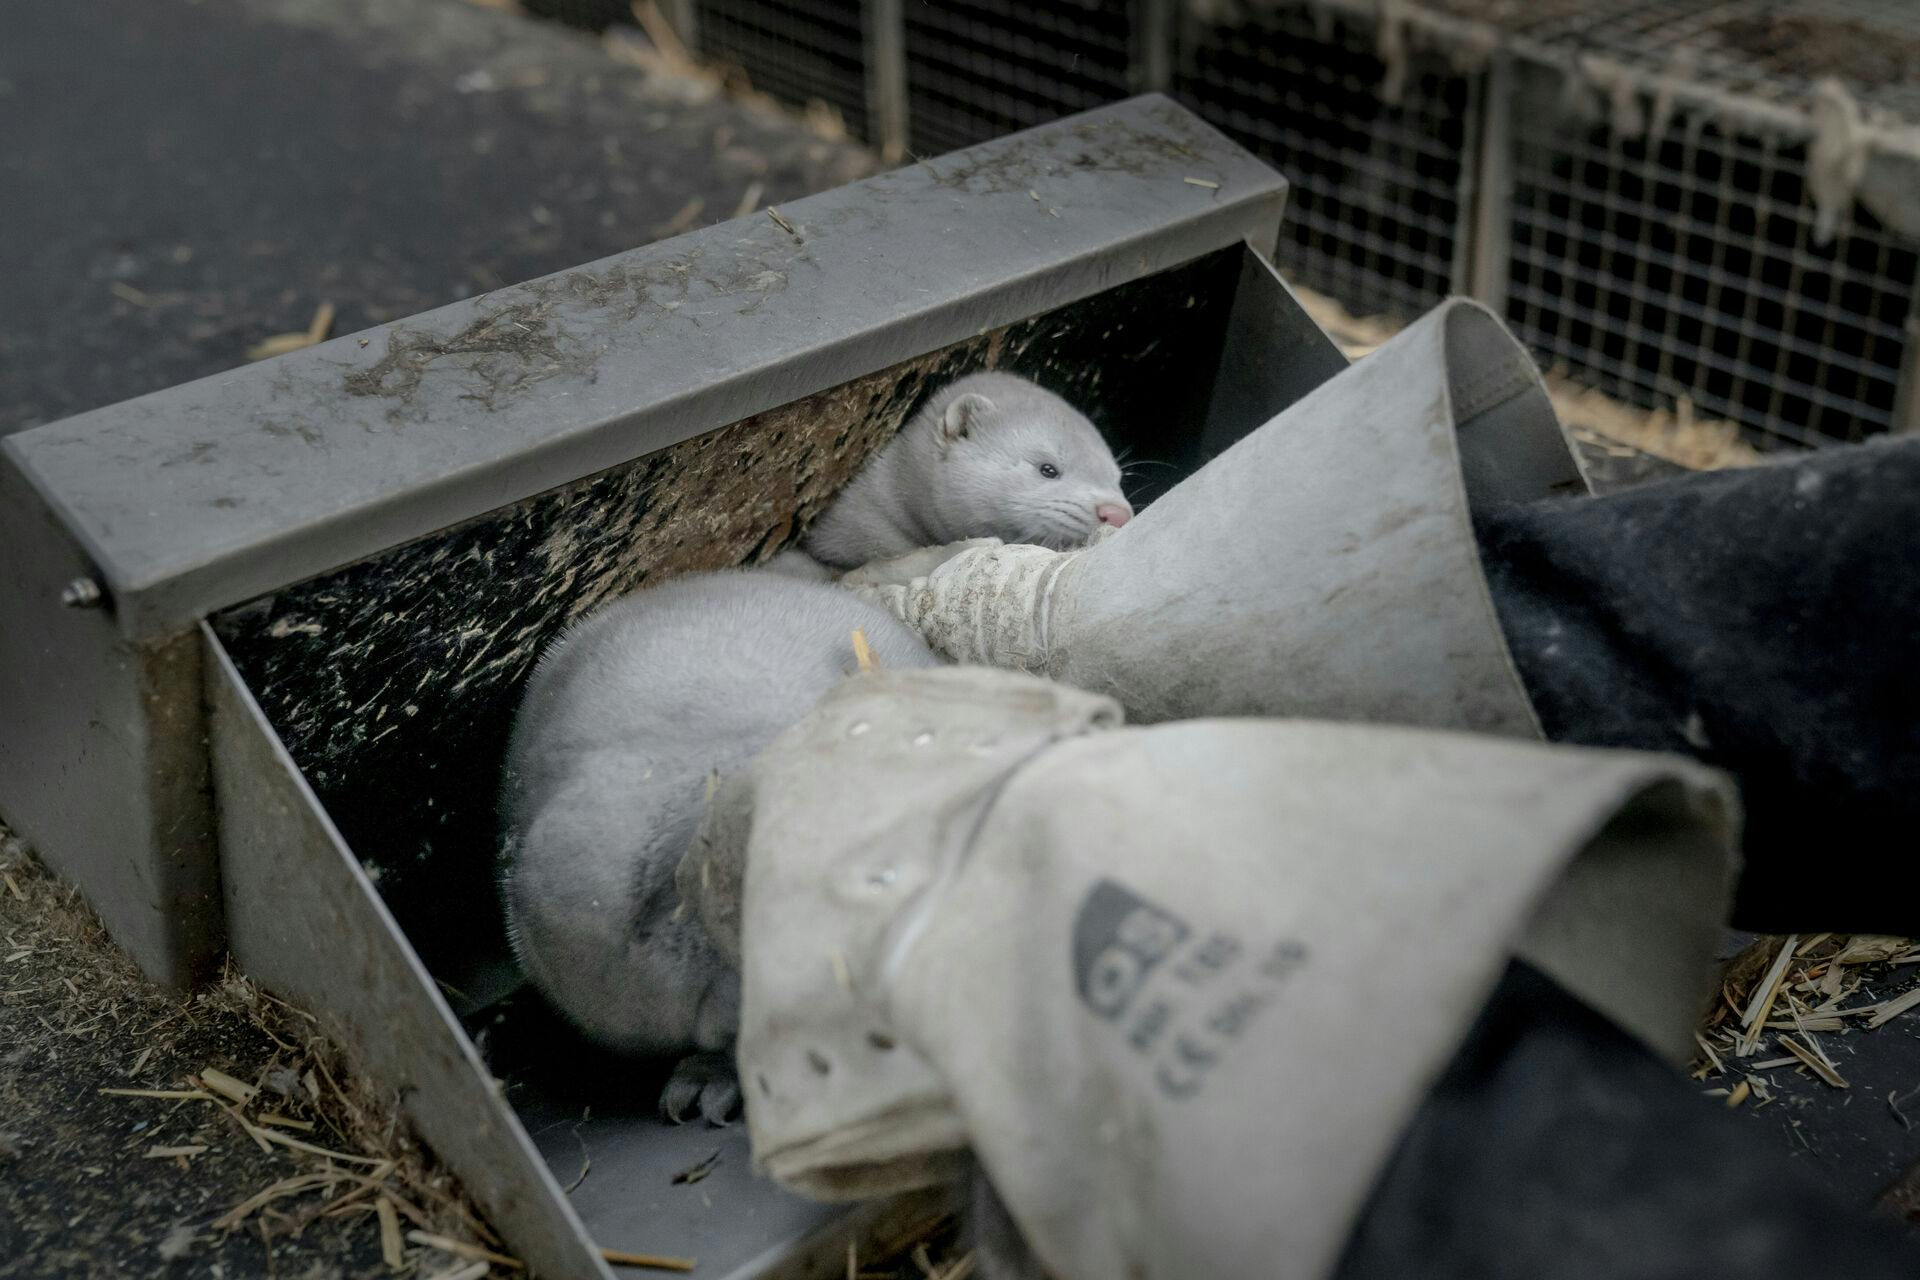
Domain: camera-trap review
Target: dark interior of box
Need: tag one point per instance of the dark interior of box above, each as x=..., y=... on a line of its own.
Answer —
x=393, y=682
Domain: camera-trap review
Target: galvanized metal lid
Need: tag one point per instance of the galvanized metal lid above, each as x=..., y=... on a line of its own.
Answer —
x=210, y=493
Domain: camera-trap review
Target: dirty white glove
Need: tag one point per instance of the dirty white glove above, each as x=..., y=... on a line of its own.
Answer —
x=941, y=753
x=914, y=565
x=1179, y=988
x=984, y=602
x=1324, y=566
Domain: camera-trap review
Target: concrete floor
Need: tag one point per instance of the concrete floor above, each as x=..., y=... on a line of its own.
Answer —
x=182, y=178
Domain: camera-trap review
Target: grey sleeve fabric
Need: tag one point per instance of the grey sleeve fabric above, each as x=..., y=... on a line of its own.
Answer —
x=1764, y=621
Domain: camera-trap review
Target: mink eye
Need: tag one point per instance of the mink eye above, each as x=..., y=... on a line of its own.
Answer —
x=1050, y=471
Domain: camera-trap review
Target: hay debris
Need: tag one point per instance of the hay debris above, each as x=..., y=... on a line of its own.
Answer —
x=1814, y=1061
x=461, y=1249
x=1680, y=435
x=281, y=343
x=1713, y=1059
x=295, y=1144
x=651, y=1261
x=665, y=39
x=284, y=1188
x=586, y=1156
x=682, y=220
x=961, y=1269
x=1753, y=1021
x=226, y=1086
x=177, y=1095
x=1793, y=992
x=393, y=1249
x=697, y=1171
x=823, y=120
x=467, y=1271
x=1888, y=1010
x=266, y=1148
x=321, y=1141
x=750, y=199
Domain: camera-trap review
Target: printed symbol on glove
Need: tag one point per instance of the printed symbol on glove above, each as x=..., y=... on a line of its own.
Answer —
x=1181, y=999
x=1118, y=940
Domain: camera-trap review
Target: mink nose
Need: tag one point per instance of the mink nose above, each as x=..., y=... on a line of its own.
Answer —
x=1114, y=513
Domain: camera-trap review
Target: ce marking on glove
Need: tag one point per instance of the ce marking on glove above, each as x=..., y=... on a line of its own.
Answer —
x=1181, y=997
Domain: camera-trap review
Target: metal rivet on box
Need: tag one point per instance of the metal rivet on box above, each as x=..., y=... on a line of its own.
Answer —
x=82, y=593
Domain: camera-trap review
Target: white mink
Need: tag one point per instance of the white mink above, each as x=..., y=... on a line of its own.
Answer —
x=631, y=716
x=626, y=720
x=991, y=455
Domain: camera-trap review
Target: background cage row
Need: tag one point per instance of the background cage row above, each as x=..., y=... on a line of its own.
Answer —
x=1636, y=184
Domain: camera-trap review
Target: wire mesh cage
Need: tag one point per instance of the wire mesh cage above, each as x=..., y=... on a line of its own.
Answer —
x=588, y=15
x=980, y=68
x=1375, y=207
x=1686, y=264
x=1635, y=181
x=1770, y=52
x=796, y=50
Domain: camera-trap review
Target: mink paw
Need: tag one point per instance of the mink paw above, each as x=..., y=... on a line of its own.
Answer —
x=703, y=1084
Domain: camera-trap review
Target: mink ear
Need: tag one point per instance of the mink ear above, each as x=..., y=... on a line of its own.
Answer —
x=961, y=416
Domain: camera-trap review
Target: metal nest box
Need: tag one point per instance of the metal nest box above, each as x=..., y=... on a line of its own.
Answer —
x=264, y=632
